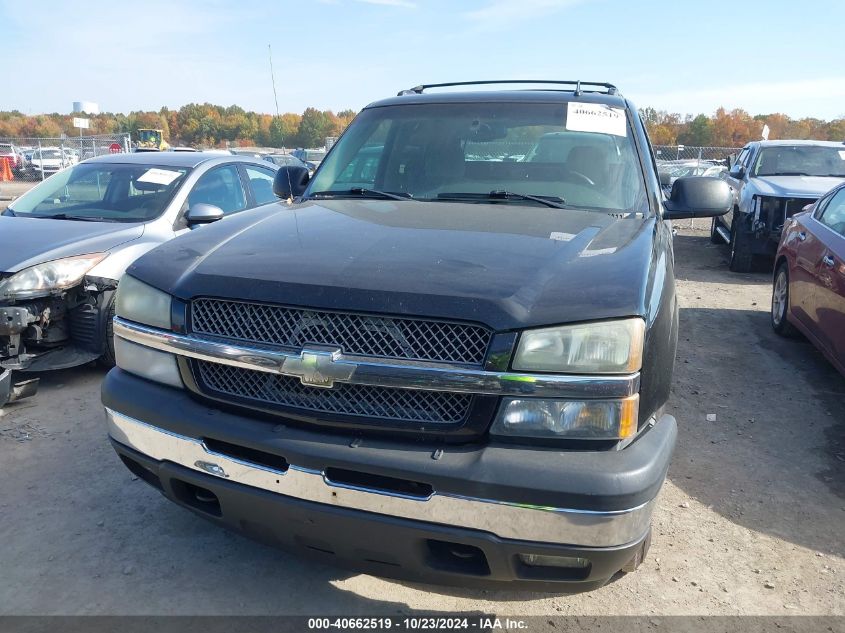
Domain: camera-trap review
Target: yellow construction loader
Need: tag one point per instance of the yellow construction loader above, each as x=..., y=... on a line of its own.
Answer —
x=150, y=140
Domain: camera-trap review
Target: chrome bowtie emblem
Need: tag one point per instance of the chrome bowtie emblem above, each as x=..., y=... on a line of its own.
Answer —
x=319, y=368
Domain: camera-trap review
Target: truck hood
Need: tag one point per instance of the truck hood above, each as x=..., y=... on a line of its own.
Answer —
x=25, y=242
x=505, y=265
x=795, y=186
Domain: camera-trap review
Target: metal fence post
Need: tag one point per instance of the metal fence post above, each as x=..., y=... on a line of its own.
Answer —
x=40, y=159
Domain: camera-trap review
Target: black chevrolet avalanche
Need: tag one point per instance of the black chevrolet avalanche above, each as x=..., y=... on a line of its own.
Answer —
x=444, y=357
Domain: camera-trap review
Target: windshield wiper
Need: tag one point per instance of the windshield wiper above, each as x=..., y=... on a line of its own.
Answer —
x=786, y=173
x=81, y=218
x=363, y=193
x=555, y=202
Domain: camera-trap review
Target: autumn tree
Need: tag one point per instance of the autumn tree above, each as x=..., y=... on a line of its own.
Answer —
x=315, y=126
x=699, y=131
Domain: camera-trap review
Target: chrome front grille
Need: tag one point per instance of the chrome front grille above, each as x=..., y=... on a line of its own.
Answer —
x=380, y=403
x=354, y=334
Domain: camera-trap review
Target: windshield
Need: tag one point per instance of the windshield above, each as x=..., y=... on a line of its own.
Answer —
x=147, y=135
x=433, y=151
x=800, y=160
x=103, y=191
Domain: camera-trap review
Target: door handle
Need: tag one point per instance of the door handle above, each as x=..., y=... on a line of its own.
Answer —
x=827, y=260
x=802, y=235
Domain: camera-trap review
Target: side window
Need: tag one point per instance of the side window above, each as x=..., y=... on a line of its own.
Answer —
x=261, y=183
x=221, y=187
x=833, y=214
x=743, y=157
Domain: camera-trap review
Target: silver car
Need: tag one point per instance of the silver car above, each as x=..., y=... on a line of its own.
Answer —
x=65, y=245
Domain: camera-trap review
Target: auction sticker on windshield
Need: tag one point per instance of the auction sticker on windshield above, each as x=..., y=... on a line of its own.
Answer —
x=159, y=176
x=595, y=117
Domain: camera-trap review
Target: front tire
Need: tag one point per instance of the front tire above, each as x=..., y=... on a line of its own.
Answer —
x=742, y=258
x=780, y=303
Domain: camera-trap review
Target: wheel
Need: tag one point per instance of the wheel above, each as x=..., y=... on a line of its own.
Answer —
x=741, y=257
x=715, y=238
x=107, y=359
x=780, y=303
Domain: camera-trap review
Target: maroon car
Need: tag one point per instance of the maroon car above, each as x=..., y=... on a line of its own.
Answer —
x=809, y=282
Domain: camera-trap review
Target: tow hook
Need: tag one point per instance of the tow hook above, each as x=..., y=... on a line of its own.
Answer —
x=14, y=391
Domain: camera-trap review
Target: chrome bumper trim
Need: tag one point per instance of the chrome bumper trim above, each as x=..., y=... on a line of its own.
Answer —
x=504, y=519
x=384, y=373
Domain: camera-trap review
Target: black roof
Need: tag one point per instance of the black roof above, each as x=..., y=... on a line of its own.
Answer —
x=503, y=96
x=168, y=159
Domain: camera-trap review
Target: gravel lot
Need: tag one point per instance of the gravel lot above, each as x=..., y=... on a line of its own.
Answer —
x=750, y=520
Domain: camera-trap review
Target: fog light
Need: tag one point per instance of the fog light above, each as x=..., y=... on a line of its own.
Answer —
x=540, y=560
x=147, y=363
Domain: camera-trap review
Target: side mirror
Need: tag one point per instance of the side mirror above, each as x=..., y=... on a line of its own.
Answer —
x=698, y=197
x=665, y=178
x=290, y=182
x=737, y=171
x=202, y=213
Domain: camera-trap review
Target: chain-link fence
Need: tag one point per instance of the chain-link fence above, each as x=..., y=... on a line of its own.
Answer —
x=693, y=156
x=34, y=159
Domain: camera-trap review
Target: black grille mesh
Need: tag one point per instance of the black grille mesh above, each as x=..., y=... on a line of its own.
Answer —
x=386, y=337
x=386, y=403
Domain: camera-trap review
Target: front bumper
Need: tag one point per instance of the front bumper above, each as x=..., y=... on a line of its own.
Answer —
x=293, y=487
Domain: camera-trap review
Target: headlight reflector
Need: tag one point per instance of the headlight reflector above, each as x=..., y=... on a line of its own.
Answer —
x=147, y=362
x=605, y=347
x=567, y=419
x=137, y=301
x=44, y=279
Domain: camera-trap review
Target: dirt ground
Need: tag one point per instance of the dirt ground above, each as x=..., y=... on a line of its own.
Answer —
x=10, y=190
x=750, y=520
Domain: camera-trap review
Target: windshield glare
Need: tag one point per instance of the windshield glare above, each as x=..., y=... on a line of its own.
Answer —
x=803, y=160
x=110, y=192
x=432, y=150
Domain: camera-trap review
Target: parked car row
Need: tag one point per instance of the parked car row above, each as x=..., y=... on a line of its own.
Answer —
x=28, y=160
x=789, y=208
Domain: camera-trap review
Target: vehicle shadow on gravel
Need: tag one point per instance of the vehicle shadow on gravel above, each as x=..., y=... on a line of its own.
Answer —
x=772, y=460
x=696, y=259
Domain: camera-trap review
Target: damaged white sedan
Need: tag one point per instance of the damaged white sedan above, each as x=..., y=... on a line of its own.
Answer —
x=65, y=244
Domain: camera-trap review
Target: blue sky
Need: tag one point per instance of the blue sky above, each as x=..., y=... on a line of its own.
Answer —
x=682, y=55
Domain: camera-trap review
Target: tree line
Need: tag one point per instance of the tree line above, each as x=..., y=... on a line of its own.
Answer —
x=735, y=128
x=207, y=125
x=201, y=125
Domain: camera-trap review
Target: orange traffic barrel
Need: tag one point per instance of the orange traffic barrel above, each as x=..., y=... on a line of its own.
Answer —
x=5, y=169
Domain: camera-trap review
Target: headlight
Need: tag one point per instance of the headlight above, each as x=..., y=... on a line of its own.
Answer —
x=605, y=347
x=44, y=279
x=567, y=419
x=137, y=301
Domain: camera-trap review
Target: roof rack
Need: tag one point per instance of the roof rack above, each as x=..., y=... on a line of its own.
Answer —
x=609, y=89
